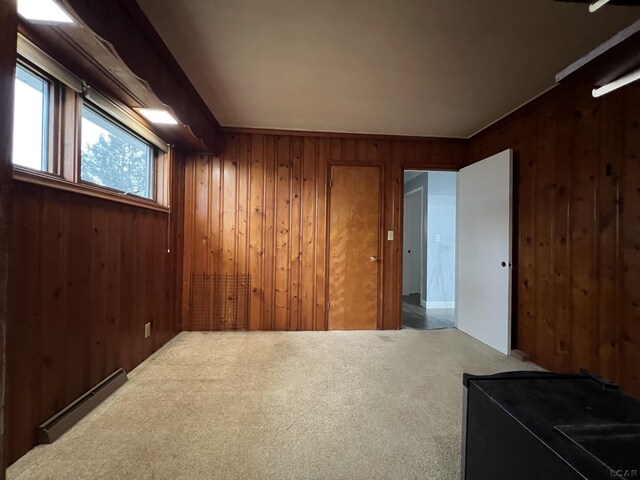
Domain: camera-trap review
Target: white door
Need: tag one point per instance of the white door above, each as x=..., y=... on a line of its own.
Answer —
x=412, y=238
x=484, y=251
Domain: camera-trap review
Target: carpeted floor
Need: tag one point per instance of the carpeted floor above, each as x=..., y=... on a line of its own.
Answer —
x=263, y=405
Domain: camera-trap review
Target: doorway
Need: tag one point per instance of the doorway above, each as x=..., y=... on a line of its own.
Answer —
x=413, y=242
x=429, y=250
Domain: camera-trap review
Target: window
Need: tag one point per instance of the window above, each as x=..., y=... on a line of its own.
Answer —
x=31, y=120
x=112, y=157
x=69, y=136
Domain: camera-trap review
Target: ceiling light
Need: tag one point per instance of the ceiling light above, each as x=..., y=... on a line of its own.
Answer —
x=155, y=115
x=596, y=5
x=43, y=11
x=621, y=82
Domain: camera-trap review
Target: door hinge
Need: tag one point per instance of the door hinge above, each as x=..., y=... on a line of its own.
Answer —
x=331, y=183
x=328, y=306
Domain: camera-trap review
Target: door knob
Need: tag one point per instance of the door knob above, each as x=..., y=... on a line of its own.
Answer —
x=373, y=259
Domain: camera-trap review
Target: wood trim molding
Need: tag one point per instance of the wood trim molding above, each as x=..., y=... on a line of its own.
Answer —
x=51, y=181
x=430, y=166
x=368, y=136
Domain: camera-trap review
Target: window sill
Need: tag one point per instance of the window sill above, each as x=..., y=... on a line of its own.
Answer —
x=48, y=180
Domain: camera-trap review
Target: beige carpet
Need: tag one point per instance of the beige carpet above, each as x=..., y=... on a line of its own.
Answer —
x=261, y=405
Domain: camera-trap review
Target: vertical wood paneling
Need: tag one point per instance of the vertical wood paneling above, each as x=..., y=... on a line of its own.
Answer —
x=55, y=243
x=562, y=307
x=295, y=234
x=256, y=231
x=229, y=207
x=543, y=195
x=269, y=235
x=526, y=333
x=324, y=157
x=8, y=37
x=88, y=275
x=205, y=187
x=282, y=219
x=97, y=287
x=274, y=211
x=113, y=291
x=243, y=196
x=388, y=267
x=308, y=226
x=630, y=246
x=578, y=230
x=393, y=191
x=23, y=332
x=188, y=225
x=606, y=237
x=583, y=228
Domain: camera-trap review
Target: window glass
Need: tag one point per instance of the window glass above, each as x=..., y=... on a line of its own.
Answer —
x=113, y=157
x=31, y=120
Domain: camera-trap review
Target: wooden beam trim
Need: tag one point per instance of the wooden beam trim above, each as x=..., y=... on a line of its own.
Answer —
x=342, y=135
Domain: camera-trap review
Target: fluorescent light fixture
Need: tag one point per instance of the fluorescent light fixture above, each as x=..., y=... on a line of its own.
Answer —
x=43, y=11
x=155, y=115
x=621, y=82
x=596, y=5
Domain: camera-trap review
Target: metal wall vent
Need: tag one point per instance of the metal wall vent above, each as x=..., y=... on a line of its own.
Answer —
x=219, y=302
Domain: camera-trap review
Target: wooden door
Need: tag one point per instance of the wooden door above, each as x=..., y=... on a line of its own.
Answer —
x=354, y=248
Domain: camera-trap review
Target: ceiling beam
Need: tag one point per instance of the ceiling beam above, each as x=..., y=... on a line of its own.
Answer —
x=611, y=60
x=123, y=25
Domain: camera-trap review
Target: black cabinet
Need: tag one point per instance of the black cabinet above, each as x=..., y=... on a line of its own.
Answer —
x=539, y=425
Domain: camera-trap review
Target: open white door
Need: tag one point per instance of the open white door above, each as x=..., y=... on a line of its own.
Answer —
x=484, y=251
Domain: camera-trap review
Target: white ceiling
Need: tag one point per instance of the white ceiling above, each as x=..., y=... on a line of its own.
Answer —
x=405, y=67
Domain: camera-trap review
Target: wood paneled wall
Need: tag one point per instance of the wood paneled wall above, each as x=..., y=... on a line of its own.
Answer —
x=8, y=29
x=261, y=209
x=86, y=275
x=578, y=270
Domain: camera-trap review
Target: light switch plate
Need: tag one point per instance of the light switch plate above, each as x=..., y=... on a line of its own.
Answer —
x=390, y=235
x=147, y=330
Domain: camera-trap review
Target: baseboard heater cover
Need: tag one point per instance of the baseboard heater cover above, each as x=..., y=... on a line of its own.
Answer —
x=66, y=418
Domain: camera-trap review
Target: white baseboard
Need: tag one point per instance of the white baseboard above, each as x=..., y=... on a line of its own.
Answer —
x=441, y=304
x=423, y=303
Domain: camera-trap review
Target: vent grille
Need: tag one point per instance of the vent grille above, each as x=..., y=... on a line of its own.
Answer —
x=219, y=302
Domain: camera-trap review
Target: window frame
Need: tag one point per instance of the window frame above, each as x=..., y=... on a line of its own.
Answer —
x=47, y=163
x=68, y=95
x=153, y=152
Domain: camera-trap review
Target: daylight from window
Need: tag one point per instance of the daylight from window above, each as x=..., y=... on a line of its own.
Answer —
x=30, y=120
x=114, y=158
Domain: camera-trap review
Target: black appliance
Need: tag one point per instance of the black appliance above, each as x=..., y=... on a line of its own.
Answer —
x=547, y=426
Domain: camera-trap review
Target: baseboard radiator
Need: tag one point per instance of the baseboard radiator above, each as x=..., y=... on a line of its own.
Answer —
x=66, y=418
x=219, y=302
